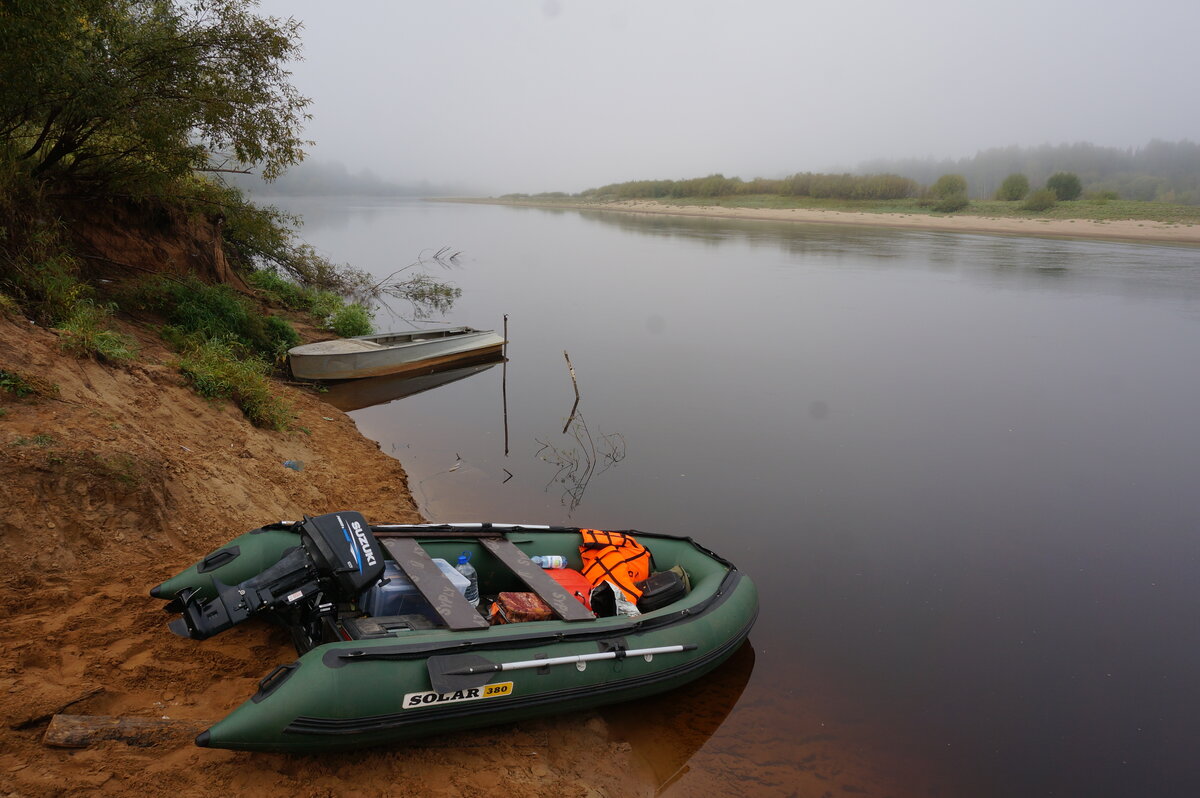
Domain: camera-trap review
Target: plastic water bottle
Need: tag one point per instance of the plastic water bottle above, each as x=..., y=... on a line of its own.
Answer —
x=550, y=561
x=466, y=569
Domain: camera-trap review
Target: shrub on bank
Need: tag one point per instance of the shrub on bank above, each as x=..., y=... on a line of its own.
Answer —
x=351, y=320
x=951, y=203
x=329, y=308
x=1014, y=188
x=282, y=333
x=1065, y=185
x=216, y=312
x=285, y=292
x=217, y=371
x=40, y=276
x=21, y=385
x=85, y=333
x=1040, y=200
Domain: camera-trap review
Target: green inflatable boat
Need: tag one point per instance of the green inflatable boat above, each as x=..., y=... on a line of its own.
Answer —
x=391, y=648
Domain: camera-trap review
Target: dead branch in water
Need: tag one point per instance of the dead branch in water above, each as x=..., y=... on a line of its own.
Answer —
x=426, y=295
x=439, y=257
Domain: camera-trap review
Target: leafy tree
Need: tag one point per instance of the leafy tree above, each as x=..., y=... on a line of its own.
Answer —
x=949, y=185
x=1014, y=187
x=1065, y=186
x=115, y=89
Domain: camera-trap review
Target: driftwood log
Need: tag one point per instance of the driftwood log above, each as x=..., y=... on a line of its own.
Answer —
x=43, y=714
x=80, y=731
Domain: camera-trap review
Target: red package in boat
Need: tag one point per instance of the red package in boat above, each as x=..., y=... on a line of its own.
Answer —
x=519, y=608
x=574, y=583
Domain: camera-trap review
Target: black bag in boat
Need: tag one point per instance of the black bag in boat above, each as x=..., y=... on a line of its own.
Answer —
x=660, y=589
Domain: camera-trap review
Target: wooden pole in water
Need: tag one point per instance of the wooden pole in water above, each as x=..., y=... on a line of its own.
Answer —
x=571, y=369
x=504, y=386
x=574, y=383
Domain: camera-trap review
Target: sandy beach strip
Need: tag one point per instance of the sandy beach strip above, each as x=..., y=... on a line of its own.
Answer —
x=1133, y=230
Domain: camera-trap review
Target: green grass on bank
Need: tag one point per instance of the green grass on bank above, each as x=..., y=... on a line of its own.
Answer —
x=1087, y=209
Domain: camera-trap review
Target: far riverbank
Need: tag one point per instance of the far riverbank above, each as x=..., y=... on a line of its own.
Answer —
x=1134, y=230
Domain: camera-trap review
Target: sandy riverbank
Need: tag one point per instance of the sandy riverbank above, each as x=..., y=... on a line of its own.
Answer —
x=1113, y=230
x=120, y=476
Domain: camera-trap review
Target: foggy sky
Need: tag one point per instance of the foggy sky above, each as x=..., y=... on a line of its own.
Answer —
x=563, y=95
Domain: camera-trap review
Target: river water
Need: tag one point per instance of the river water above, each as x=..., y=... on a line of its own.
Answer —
x=962, y=470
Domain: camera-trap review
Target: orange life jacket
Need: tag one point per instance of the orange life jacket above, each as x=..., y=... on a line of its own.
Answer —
x=614, y=557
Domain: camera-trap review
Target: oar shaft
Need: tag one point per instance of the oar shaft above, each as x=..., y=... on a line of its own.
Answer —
x=574, y=658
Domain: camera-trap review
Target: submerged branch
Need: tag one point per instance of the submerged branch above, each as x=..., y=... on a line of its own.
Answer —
x=439, y=257
x=578, y=464
x=426, y=295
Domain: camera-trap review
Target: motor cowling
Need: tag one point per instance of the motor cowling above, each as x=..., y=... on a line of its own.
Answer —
x=344, y=549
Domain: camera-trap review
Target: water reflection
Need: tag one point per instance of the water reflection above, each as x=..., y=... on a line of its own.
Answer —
x=1007, y=261
x=793, y=238
x=582, y=457
x=665, y=731
x=350, y=395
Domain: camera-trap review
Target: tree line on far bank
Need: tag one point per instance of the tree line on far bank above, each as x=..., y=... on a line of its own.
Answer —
x=947, y=194
x=1160, y=171
x=808, y=184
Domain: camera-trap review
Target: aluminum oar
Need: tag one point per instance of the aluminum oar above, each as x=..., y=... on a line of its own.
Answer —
x=580, y=660
x=461, y=671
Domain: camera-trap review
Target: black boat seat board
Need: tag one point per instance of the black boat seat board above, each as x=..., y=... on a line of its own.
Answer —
x=565, y=606
x=429, y=580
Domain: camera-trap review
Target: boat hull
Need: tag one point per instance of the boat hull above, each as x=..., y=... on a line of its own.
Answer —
x=399, y=353
x=370, y=692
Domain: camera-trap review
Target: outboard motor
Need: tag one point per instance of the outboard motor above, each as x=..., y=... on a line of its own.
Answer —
x=337, y=559
x=343, y=547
